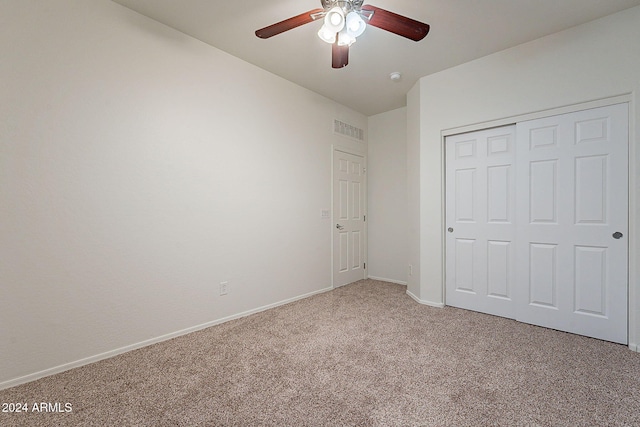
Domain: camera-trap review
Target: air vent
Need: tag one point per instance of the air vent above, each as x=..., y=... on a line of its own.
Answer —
x=348, y=130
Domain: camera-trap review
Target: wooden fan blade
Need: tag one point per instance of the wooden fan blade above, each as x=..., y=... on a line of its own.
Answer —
x=287, y=24
x=339, y=55
x=397, y=24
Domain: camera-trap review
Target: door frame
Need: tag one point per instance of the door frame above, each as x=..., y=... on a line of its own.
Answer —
x=633, y=264
x=363, y=154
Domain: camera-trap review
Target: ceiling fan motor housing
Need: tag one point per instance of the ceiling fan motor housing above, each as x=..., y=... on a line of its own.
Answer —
x=346, y=5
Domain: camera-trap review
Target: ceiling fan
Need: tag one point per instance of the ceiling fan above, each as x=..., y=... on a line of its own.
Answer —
x=344, y=20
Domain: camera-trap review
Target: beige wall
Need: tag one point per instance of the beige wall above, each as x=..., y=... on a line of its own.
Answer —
x=139, y=168
x=414, y=123
x=590, y=62
x=387, y=196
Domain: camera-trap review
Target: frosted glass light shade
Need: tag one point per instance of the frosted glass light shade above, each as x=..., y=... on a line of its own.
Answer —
x=355, y=24
x=334, y=20
x=345, y=38
x=327, y=35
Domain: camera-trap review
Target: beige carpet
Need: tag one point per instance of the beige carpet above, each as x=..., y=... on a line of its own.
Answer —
x=362, y=355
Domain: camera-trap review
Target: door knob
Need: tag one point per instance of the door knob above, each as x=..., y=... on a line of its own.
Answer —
x=339, y=227
x=617, y=235
x=450, y=229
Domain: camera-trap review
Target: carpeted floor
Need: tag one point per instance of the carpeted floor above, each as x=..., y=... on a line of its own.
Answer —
x=362, y=355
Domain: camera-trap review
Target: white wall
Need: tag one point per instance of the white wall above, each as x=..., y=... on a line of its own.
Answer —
x=596, y=60
x=387, y=196
x=139, y=168
x=414, y=113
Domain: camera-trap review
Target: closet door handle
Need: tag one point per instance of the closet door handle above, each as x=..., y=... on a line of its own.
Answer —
x=617, y=235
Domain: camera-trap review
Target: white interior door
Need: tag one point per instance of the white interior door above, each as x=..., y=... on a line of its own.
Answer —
x=572, y=200
x=349, y=189
x=537, y=226
x=480, y=214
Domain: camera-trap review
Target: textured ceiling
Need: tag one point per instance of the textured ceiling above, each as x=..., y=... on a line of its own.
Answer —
x=461, y=30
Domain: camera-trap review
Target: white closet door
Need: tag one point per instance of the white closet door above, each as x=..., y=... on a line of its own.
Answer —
x=572, y=216
x=480, y=214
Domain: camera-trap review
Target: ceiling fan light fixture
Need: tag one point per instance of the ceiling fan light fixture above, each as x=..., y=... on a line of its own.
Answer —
x=355, y=24
x=345, y=38
x=344, y=21
x=326, y=35
x=334, y=20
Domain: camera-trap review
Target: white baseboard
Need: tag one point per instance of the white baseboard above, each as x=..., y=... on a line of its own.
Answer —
x=634, y=347
x=424, y=302
x=383, y=279
x=96, y=358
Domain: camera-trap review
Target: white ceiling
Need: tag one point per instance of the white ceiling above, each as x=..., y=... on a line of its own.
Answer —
x=461, y=30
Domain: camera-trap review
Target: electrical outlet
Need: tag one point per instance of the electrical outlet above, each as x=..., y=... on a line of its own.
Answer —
x=224, y=288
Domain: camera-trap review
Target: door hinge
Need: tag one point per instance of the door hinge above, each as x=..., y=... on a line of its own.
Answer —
x=365, y=265
x=365, y=218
